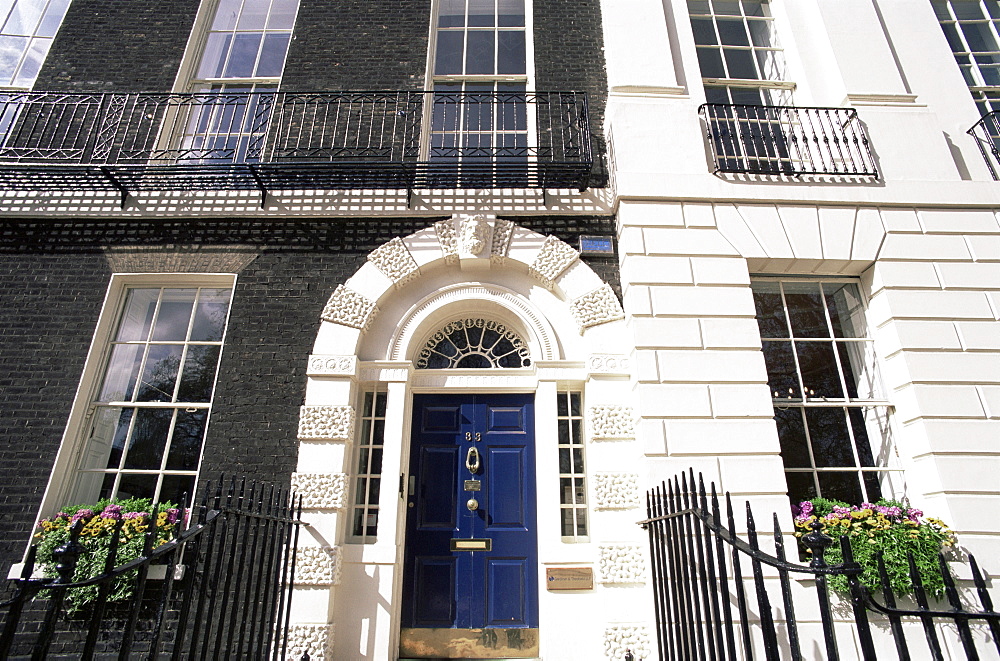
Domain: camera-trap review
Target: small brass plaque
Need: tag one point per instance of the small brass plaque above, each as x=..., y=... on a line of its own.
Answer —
x=473, y=485
x=471, y=544
x=569, y=578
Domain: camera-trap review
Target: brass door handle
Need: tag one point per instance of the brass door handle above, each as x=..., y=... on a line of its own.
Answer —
x=472, y=460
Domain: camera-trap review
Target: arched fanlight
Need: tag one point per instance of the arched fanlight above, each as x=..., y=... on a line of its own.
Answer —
x=474, y=344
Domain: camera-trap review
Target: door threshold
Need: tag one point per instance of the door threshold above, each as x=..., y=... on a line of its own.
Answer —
x=468, y=644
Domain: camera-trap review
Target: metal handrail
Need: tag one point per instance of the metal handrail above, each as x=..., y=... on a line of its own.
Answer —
x=986, y=133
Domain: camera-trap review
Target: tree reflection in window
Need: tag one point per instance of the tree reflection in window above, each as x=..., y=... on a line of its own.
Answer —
x=474, y=344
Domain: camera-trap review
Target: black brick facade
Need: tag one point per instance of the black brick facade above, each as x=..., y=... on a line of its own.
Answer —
x=53, y=280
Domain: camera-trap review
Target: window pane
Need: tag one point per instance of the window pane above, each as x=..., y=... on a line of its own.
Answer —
x=380, y=401
x=24, y=17
x=510, y=13
x=149, y=438
x=451, y=13
x=448, y=59
x=272, y=55
x=732, y=32
x=107, y=438
x=282, y=14
x=782, y=378
x=761, y=33
x=574, y=404
x=210, y=316
x=198, y=377
x=479, y=58
x=185, y=445
x=846, y=311
x=139, y=309
x=800, y=487
x=244, y=56
x=840, y=486
x=132, y=485
x=32, y=63
x=792, y=436
x=174, y=315
x=214, y=58
x=511, y=53
x=740, y=64
x=226, y=14
x=562, y=404
x=831, y=444
x=770, y=310
x=710, y=62
x=160, y=374
x=820, y=377
x=254, y=15
x=122, y=372
x=704, y=31
x=175, y=487
x=481, y=13
x=805, y=309
x=11, y=50
x=53, y=17
x=861, y=439
x=727, y=7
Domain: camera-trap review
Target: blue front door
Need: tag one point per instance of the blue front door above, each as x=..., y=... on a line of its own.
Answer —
x=471, y=553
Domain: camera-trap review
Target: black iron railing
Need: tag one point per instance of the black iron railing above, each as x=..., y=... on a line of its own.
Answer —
x=289, y=140
x=226, y=591
x=784, y=140
x=708, y=607
x=986, y=133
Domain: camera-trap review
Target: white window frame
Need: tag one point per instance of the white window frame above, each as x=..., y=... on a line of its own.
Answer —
x=6, y=8
x=367, y=508
x=73, y=443
x=886, y=464
x=578, y=497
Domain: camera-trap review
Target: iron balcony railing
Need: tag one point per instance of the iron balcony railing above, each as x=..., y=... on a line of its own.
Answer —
x=292, y=140
x=784, y=140
x=986, y=133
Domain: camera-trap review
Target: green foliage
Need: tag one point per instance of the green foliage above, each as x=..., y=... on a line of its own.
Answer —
x=889, y=527
x=100, y=521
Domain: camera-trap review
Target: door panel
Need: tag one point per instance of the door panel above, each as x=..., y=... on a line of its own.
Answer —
x=494, y=586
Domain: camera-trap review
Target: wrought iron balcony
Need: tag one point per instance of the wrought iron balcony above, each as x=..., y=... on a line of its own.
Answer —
x=293, y=141
x=784, y=140
x=986, y=133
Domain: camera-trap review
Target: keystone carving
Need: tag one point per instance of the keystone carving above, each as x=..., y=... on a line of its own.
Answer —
x=330, y=365
x=503, y=231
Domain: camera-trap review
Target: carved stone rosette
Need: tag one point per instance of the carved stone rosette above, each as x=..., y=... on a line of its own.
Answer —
x=622, y=563
x=349, y=308
x=616, y=491
x=503, y=230
x=317, y=565
x=611, y=422
x=597, y=307
x=553, y=258
x=320, y=491
x=326, y=423
x=621, y=638
x=331, y=365
x=395, y=261
x=314, y=639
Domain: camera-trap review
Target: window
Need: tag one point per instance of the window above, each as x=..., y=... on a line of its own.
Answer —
x=828, y=404
x=28, y=29
x=972, y=28
x=244, y=52
x=368, y=479
x=572, y=474
x=474, y=344
x=741, y=62
x=480, y=74
x=147, y=421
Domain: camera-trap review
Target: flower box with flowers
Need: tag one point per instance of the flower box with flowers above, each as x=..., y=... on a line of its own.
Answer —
x=100, y=521
x=887, y=527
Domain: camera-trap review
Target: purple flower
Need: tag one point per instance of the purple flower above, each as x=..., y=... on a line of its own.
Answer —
x=112, y=512
x=913, y=514
x=172, y=515
x=82, y=514
x=134, y=515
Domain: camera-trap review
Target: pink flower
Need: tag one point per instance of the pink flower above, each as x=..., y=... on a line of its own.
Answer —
x=112, y=512
x=82, y=514
x=134, y=515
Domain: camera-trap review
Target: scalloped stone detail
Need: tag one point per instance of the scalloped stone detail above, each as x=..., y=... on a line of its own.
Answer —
x=326, y=423
x=317, y=565
x=622, y=563
x=314, y=639
x=611, y=422
x=321, y=491
x=596, y=307
x=616, y=491
x=395, y=261
x=622, y=638
x=332, y=365
x=553, y=258
x=503, y=231
x=349, y=308
x=609, y=363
